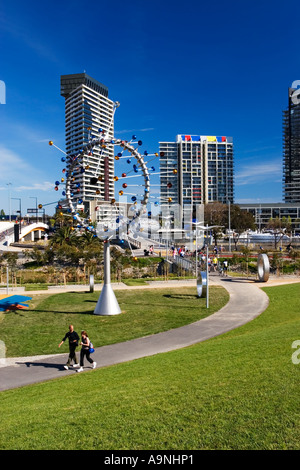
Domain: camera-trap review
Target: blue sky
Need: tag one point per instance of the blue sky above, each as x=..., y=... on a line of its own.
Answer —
x=194, y=67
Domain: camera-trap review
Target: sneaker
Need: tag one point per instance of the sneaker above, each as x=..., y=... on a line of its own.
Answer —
x=66, y=367
x=80, y=369
x=94, y=365
x=75, y=366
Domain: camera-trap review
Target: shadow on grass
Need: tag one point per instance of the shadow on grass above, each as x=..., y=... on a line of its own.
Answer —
x=181, y=296
x=89, y=312
x=15, y=312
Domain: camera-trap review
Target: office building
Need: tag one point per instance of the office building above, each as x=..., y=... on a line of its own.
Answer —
x=263, y=212
x=196, y=170
x=291, y=148
x=88, y=110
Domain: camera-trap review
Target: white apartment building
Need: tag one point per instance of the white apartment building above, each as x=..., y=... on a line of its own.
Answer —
x=88, y=112
x=196, y=169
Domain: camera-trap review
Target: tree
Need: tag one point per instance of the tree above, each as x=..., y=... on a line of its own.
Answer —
x=37, y=255
x=216, y=213
x=241, y=220
x=91, y=248
x=278, y=227
x=9, y=259
x=88, y=239
x=64, y=235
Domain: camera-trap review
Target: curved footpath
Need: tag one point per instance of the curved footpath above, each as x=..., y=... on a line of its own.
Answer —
x=247, y=301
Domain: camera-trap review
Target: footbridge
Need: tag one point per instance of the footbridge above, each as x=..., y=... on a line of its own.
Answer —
x=11, y=232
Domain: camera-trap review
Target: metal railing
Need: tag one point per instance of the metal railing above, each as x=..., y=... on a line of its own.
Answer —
x=184, y=263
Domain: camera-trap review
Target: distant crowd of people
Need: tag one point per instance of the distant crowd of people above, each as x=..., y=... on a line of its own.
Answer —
x=183, y=251
x=214, y=264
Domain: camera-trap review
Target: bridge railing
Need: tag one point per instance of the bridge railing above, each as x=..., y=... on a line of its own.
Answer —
x=187, y=264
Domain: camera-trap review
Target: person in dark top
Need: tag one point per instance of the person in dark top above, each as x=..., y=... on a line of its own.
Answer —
x=73, y=343
x=85, y=351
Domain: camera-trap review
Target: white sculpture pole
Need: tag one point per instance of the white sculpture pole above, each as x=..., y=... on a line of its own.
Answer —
x=107, y=303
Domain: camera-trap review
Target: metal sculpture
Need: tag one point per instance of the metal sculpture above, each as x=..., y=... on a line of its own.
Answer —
x=107, y=303
x=202, y=284
x=263, y=267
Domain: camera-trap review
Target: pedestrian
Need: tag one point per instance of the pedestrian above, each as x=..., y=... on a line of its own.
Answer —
x=85, y=351
x=225, y=267
x=73, y=343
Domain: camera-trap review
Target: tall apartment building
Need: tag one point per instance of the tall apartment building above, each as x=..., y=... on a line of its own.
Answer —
x=88, y=109
x=196, y=170
x=291, y=148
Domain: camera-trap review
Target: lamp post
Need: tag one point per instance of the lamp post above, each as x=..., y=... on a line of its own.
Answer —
x=36, y=207
x=20, y=210
x=206, y=229
x=9, y=198
x=229, y=226
x=197, y=224
x=167, y=226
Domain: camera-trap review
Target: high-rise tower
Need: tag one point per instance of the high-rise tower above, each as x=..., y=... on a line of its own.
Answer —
x=196, y=170
x=291, y=148
x=88, y=111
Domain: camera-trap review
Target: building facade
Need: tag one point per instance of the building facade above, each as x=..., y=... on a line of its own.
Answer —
x=196, y=170
x=291, y=148
x=88, y=111
x=263, y=212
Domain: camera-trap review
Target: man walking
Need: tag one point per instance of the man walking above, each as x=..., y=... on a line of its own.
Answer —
x=73, y=343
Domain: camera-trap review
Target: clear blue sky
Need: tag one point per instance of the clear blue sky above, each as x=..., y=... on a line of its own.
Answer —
x=193, y=67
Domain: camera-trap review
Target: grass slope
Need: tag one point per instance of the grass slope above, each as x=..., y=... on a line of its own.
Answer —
x=237, y=391
x=40, y=329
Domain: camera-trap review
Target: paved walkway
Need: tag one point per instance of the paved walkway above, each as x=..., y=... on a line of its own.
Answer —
x=247, y=301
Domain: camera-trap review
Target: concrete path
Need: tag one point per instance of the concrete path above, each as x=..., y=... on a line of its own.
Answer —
x=247, y=301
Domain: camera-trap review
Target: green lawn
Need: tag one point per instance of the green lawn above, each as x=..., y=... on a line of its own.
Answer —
x=40, y=329
x=236, y=391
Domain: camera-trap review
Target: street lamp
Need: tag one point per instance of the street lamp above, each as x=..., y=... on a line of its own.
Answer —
x=167, y=226
x=9, y=191
x=229, y=227
x=20, y=211
x=206, y=229
x=36, y=207
x=197, y=224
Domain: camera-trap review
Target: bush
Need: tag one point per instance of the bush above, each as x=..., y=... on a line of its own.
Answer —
x=290, y=268
x=39, y=279
x=32, y=277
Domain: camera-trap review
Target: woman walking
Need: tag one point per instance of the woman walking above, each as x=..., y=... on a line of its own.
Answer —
x=85, y=351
